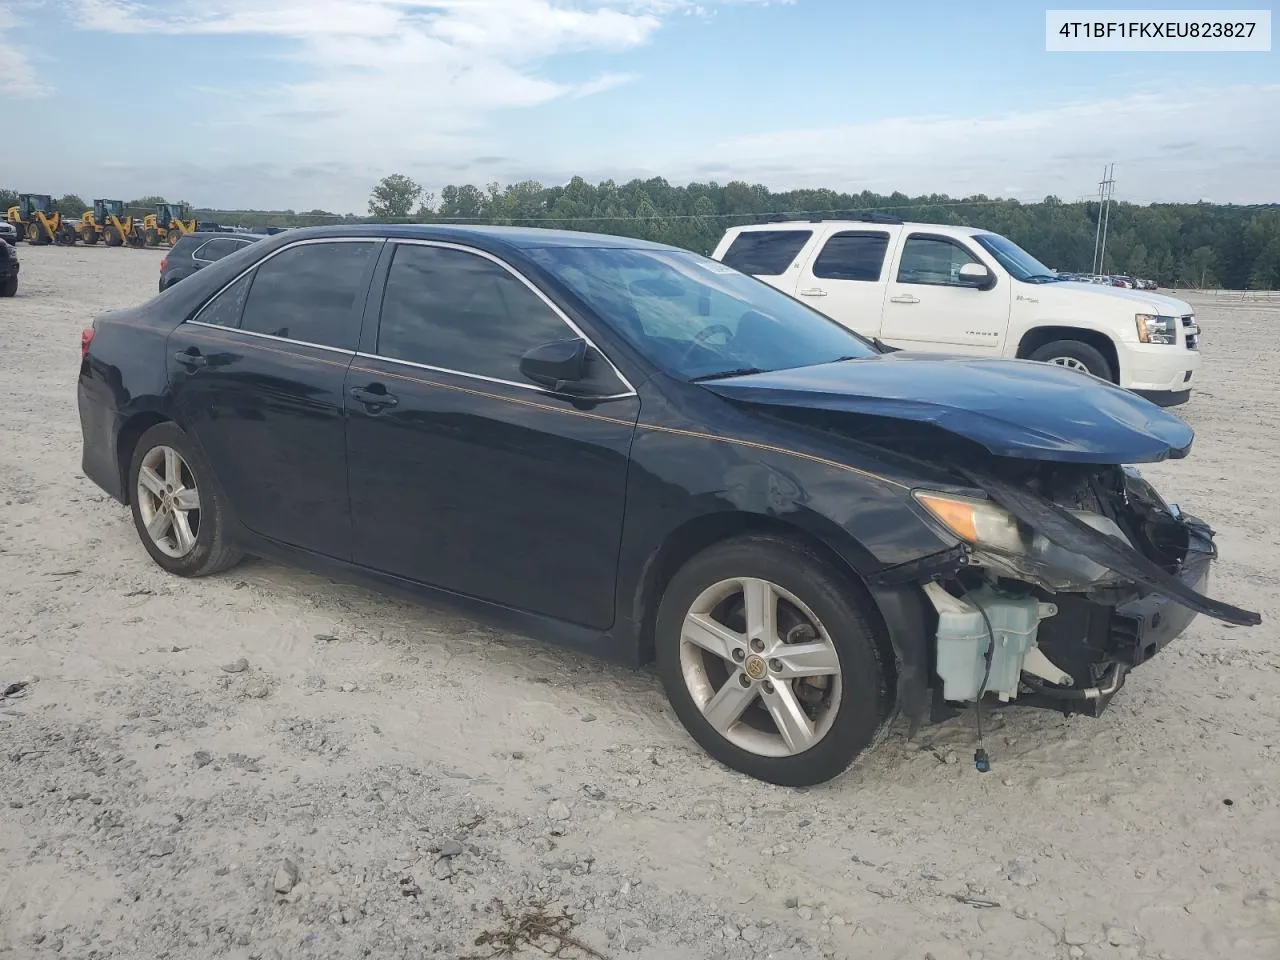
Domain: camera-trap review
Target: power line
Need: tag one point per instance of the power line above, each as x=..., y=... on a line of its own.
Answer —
x=796, y=214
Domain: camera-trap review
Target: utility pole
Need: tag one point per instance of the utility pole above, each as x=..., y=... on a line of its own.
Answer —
x=1106, y=189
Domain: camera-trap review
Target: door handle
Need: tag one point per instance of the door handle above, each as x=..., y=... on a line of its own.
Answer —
x=374, y=400
x=813, y=292
x=191, y=360
x=905, y=298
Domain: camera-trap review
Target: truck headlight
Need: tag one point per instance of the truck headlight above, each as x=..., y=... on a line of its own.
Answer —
x=1156, y=329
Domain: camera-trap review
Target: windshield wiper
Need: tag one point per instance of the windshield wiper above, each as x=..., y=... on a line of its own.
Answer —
x=739, y=372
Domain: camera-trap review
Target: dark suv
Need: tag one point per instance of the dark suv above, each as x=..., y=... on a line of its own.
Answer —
x=196, y=250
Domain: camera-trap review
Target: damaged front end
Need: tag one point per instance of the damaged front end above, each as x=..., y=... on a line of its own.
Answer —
x=1071, y=577
x=1066, y=568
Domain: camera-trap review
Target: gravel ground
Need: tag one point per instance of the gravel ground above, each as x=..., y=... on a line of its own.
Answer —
x=271, y=764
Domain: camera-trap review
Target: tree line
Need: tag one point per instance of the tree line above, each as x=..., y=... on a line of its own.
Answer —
x=1177, y=244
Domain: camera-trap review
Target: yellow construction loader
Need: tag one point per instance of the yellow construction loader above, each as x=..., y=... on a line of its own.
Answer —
x=107, y=222
x=35, y=218
x=167, y=224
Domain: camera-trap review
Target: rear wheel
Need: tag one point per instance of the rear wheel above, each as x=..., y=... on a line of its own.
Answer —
x=176, y=510
x=769, y=662
x=89, y=236
x=37, y=234
x=173, y=236
x=1076, y=355
x=153, y=238
x=113, y=237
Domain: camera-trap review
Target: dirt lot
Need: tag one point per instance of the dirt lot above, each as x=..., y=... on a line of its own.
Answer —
x=415, y=769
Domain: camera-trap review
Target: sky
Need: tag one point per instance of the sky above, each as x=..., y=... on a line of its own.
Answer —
x=305, y=104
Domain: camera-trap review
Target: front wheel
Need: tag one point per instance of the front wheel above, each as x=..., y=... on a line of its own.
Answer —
x=769, y=662
x=1076, y=355
x=9, y=288
x=177, y=512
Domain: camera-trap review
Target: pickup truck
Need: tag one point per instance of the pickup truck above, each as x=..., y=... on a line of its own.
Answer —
x=961, y=290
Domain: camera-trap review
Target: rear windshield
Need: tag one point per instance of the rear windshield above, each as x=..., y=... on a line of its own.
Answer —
x=765, y=253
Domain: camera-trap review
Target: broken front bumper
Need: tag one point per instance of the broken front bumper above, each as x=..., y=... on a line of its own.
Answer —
x=1116, y=639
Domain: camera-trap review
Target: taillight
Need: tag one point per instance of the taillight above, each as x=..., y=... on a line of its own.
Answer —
x=164, y=262
x=86, y=338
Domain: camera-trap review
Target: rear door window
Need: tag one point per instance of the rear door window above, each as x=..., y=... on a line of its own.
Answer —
x=852, y=255
x=224, y=309
x=217, y=249
x=765, y=253
x=310, y=293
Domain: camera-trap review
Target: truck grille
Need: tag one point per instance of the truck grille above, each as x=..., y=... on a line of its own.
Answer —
x=1191, y=331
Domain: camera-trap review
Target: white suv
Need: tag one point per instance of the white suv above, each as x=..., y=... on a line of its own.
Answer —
x=931, y=287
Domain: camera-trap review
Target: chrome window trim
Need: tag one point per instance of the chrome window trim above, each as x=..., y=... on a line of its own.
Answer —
x=630, y=391
x=254, y=266
x=268, y=336
x=508, y=383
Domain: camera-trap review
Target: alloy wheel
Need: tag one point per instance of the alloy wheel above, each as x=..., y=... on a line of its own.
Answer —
x=1071, y=363
x=760, y=666
x=169, y=501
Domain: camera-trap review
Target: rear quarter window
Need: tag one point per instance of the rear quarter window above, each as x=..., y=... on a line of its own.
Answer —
x=765, y=253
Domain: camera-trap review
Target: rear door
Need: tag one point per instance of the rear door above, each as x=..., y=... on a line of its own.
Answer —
x=466, y=475
x=258, y=377
x=928, y=308
x=773, y=256
x=846, y=277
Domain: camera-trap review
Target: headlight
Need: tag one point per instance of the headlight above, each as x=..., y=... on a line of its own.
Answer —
x=1156, y=329
x=1012, y=549
x=979, y=523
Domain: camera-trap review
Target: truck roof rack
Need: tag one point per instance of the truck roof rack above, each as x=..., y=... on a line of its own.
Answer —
x=857, y=217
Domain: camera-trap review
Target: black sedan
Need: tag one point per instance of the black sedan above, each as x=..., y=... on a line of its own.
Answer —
x=9, y=269
x=641, y=452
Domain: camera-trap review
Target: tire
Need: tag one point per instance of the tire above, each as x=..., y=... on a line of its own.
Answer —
x=153, y=238
x=90, y=237
x=37, y=235
x=198, y=544
x=1076, y=354
x=173, y=236
x=9, y=288
x=112, y=236
x=853, y=704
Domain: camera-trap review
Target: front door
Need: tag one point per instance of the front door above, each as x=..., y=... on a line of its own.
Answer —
x=466, y=475
x=258, y=377
x=929, y=308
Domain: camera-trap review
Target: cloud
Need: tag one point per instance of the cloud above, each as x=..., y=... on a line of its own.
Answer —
x=18, y=75
x=1184, y=145
x=400, y=78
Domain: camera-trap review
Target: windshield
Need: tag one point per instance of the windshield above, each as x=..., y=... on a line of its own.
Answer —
x=1020, y=264
x=697, y=318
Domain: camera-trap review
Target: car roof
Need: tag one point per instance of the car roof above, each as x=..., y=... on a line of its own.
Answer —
x=529, y=238
x=858, y=225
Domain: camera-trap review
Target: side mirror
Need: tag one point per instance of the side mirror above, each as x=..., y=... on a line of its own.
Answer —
x=977, y=276
x=559, y=364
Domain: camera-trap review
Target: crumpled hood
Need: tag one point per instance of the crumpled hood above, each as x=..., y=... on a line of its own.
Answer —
x=1014, y=408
